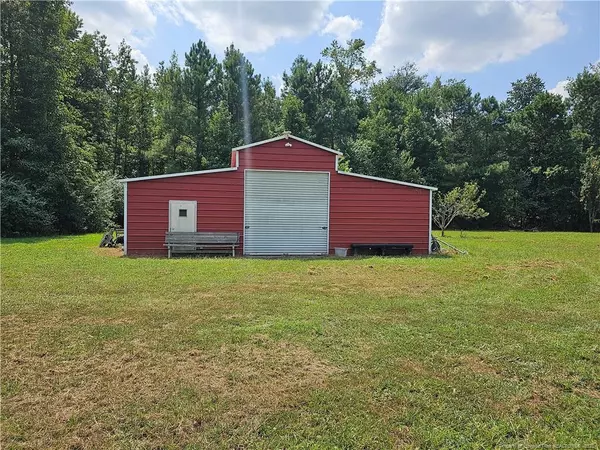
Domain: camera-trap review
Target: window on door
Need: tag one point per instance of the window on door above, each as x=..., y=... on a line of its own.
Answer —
x=183, y=215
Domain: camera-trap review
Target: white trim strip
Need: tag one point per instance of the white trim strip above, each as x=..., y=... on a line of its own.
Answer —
x=125, y=219
x=244, y=212
x=329, y=207
x=254, y=144
x=386, y=180
x=179, y=174
x=430, y=219
x=322, y=147
x=287, y=170
x=286, y=136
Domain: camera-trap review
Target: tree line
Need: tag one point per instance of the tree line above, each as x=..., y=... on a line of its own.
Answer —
x=77, y=116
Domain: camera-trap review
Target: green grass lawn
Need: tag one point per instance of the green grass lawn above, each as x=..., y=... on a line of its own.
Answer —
x=497, y=348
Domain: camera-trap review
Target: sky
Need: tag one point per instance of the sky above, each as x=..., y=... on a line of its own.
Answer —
x=487, y=43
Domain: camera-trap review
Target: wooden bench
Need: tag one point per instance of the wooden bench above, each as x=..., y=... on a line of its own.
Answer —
x=200, y=242
x=381, y=249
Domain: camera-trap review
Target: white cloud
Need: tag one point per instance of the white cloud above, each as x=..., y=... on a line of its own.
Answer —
x=342, y=27
x=560, y=88
x=252, y=26
x=463, y=36
x=132, y=20
x=142, y=60
x=277, y=82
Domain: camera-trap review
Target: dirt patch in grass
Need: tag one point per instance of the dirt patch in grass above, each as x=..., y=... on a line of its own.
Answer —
x=528, y=264
x=532, y=401
x=61, y=402
x=33, y=327
x=593, y=393
x=452, y=365
x=402, y=437
x=412, y=367
x=391, y=281
x=542, y=263
x=109, y=252
x=477, y=365
x=542, y=396
x=499, y=267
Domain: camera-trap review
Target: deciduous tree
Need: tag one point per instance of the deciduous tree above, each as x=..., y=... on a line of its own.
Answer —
x=459, y=202
x=590, y=188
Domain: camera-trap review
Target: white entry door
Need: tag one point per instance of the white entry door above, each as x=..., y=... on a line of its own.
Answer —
x=286, y=213
x=182, y=215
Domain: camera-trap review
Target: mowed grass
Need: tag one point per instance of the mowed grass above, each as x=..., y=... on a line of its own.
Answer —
x=497, y=348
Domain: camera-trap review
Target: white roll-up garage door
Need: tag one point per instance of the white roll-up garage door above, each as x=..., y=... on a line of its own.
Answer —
x=286, y=213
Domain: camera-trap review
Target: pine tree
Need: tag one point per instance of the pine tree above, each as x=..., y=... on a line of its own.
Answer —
x=201, y=81
x=124, y=79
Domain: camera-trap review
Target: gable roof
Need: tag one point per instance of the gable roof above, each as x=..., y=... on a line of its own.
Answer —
x=286, y=135
x=178, y=174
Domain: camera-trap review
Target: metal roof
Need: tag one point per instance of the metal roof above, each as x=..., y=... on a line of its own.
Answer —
x=178, y=174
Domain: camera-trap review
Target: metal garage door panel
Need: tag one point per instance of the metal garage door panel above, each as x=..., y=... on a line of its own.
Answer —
x=286, y=213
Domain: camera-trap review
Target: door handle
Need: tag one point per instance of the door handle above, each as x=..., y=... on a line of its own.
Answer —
x=247, y=226
x=323, y=228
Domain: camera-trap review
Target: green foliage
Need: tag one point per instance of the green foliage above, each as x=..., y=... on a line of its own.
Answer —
x=268, y=112
x=292, y=116
x=144, y=122
x=105, y=204
x=590, y=187
x=523, y=92
x=351, y=63
x=547, y=162
x=344, y=164
x=584, y=98
x=72, y=111
x=241, y=93
x=201, y=83
x=123, y=80
x=377, y=153
x=23, y=212
x=172, y=150
x=219, y=134
x=459, y=202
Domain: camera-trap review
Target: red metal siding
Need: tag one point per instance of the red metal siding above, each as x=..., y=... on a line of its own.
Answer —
x=369, y=211
x=361, y=210
x=276, y=156
x=220, y=207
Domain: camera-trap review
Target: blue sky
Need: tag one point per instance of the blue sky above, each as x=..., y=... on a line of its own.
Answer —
x=488, y=43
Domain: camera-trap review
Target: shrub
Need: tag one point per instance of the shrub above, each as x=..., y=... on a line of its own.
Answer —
x=23, y=211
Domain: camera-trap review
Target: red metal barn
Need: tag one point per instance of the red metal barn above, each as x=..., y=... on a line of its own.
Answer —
x=284, y=196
